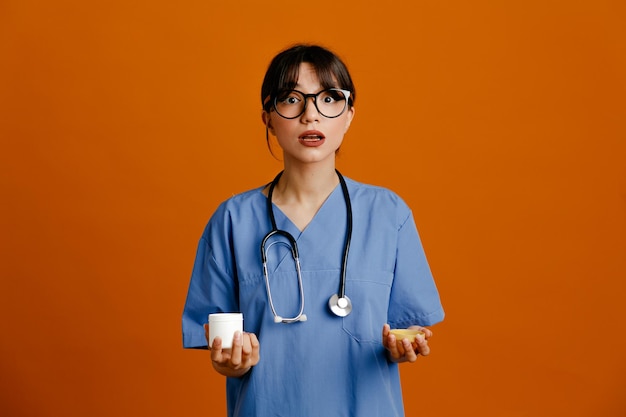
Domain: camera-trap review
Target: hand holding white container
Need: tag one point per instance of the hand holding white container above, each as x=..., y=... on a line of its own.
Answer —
x=224, y=325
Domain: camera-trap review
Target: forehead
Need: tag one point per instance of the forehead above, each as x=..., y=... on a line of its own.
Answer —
x=305, y=74
x=307, y=77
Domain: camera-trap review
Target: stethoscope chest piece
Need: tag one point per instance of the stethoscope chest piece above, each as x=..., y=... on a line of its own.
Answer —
x=340, y=306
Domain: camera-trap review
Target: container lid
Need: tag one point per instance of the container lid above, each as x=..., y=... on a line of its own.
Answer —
x=225, y=316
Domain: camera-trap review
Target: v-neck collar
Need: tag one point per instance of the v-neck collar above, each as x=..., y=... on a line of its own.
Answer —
x=285, y=223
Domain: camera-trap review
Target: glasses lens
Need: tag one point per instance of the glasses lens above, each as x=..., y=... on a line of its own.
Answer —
x=330, y=103
x=290, y=104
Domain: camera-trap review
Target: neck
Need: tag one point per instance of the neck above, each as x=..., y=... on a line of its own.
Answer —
x=306, y=184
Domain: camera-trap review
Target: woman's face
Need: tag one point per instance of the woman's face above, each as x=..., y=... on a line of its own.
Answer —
x=311, y=137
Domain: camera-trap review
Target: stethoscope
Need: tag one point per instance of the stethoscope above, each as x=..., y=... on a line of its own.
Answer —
x=339, y=303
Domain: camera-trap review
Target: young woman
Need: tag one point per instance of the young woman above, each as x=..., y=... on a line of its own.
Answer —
x=316, y=338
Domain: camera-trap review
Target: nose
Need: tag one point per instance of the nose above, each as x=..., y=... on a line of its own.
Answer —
x=310, y=113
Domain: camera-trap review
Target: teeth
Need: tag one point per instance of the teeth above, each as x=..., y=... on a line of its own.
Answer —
x=309, y=137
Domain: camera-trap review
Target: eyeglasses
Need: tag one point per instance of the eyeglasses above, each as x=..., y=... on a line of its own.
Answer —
x=329, y=103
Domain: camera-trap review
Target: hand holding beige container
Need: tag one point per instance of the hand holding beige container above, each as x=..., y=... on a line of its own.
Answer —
x=224, y=325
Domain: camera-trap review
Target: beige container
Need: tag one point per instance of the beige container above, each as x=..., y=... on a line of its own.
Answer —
x=224, y=325
x=406, y=334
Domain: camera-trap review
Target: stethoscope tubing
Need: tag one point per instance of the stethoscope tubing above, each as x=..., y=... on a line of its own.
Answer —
x=338, y=303
x=346, y=248
x=294, y=253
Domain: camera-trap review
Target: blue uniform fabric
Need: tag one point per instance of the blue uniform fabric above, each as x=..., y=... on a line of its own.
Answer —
x=327, y=365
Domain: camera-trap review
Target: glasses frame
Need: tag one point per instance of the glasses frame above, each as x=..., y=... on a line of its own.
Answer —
x=314, y=97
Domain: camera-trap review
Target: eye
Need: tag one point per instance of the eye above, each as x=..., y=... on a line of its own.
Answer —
x=332, y=96
x=289, y=98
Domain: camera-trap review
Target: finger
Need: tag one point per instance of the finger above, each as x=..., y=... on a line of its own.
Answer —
x=235, y=353
x=409, y=354
x=422, y=346
x=255, y=353
x=246, y=348
x=392, y=346
x=386, y=329
x=248, y=351
x=216, y=350
x=401, y=346
x=427, y=332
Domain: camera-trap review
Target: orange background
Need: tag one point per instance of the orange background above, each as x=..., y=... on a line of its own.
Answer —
x=502, y=124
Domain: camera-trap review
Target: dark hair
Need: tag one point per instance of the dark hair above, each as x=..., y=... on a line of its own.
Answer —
x=282, y=73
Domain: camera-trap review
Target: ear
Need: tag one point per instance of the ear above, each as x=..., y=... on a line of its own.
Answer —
x=350, y=116
x=267, y=121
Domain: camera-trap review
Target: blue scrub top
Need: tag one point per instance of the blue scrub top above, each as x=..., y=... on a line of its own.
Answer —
x=327, y=365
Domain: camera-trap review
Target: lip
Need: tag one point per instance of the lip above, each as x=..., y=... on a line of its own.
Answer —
x=312, y=138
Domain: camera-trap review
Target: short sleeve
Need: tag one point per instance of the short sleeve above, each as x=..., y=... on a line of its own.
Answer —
x=414, y=295
x=212, y=287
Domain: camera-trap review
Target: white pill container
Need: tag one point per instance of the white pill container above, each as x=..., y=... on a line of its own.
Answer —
x=224, y=325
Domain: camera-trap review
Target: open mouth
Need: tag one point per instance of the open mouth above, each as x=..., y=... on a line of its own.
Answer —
x=311, y=136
